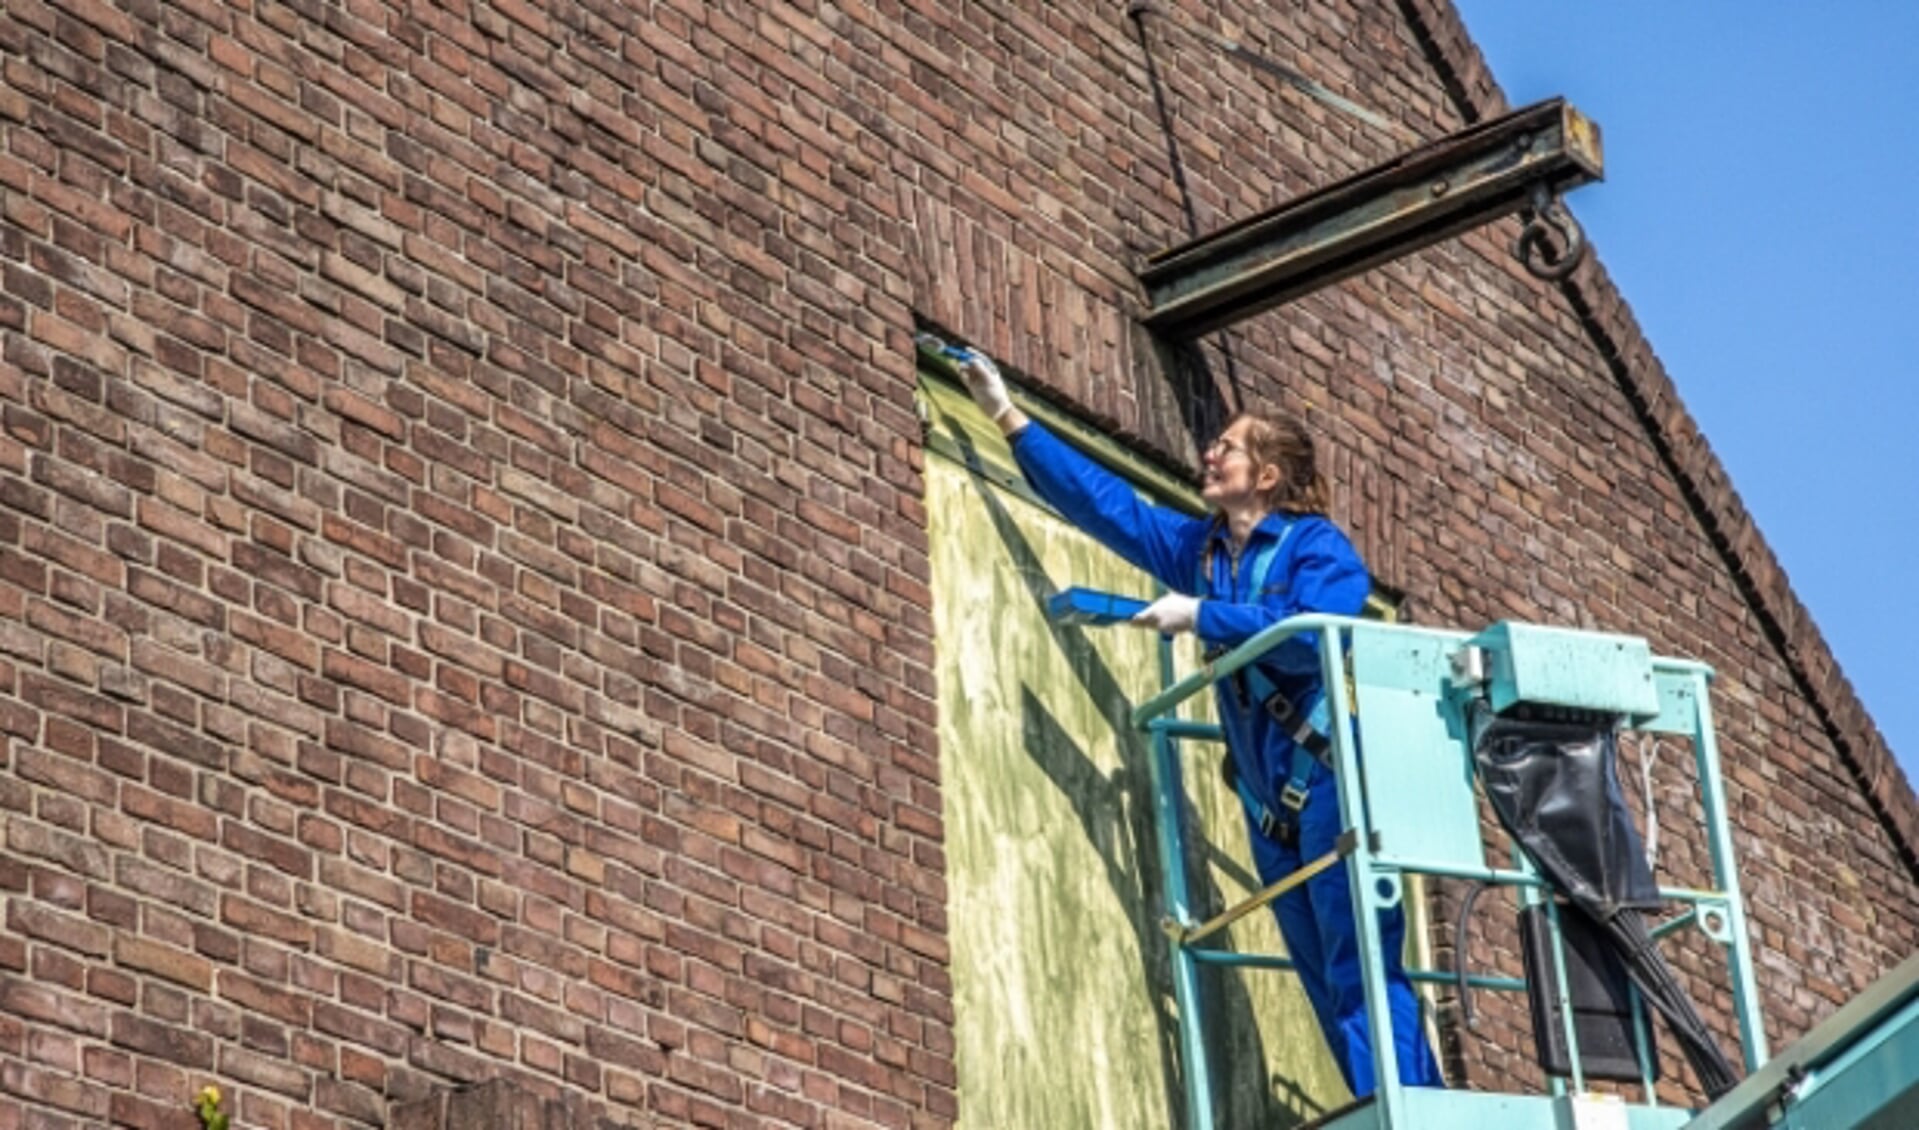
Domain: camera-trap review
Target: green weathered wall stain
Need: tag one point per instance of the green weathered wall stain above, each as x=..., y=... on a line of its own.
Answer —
x=1062, y=985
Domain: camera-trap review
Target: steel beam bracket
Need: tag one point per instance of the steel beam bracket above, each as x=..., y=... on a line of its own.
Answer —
x=1521, y=162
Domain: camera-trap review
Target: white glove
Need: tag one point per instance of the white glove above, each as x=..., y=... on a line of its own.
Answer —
x=987, y=386
x=1171, y=614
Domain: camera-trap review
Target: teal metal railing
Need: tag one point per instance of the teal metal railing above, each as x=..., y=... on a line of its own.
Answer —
x=1376, y=873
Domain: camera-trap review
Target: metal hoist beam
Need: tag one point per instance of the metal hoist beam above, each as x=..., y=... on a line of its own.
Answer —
x=1517, y=163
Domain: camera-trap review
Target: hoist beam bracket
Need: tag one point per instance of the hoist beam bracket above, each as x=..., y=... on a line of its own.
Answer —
x=1510, y=164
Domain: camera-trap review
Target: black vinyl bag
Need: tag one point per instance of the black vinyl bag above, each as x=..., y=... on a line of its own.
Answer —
x=1554, y=785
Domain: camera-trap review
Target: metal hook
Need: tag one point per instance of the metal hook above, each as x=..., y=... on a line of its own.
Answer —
x=1544, y=216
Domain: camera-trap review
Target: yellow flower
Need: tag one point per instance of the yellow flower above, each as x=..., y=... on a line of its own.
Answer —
x=210, y=1095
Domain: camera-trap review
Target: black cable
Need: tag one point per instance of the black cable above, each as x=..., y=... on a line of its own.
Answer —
x=1140, y=9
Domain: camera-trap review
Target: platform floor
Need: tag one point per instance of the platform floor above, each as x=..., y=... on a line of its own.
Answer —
x=1428, y=1109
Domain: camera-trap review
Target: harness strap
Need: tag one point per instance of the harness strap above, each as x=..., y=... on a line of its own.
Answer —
x=1261, y=572
x=1284, y=826
x=1262, y=817
x=1310, y=744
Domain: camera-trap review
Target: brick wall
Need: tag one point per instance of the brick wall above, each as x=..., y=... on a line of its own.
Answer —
x=464, y=604
x=493, y=1105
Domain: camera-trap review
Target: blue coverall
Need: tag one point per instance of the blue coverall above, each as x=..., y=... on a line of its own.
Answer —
x=1317, y=570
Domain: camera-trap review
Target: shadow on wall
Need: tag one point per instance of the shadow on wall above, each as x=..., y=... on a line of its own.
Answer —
x=1116, y=814
x=1203, y=402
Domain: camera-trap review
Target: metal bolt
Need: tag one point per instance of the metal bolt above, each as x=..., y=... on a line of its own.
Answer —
x=1440, y=187
x=1523, y=142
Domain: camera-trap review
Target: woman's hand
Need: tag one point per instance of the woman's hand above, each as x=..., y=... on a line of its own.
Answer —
x=989, y=391
x=1170, y=614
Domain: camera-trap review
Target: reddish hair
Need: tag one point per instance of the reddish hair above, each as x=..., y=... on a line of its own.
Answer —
x=1284, y=442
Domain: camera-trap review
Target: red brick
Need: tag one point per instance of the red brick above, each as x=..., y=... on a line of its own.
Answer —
x=163, y=961
x=167, y=1042
x=46, y=843
x=66, y=931
x=560, y=552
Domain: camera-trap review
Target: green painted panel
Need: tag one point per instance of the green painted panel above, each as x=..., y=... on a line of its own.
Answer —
x=1549, y=666
x=1419, y=778
x=1064, y=1012
x=1678, y=705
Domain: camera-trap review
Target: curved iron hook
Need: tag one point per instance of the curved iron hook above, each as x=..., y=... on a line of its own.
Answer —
x=1545, y=216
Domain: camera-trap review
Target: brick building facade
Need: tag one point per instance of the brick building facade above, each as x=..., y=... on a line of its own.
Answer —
x=465, y=605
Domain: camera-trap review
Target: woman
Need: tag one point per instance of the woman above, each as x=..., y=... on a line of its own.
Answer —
x=1267, y=553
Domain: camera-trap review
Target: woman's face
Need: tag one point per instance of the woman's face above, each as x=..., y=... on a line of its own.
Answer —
x=1230, y=480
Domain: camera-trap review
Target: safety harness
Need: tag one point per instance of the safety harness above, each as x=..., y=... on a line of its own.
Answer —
x=1310, y=744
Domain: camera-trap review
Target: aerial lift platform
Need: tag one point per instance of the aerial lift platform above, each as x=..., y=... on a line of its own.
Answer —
x=1410, y=807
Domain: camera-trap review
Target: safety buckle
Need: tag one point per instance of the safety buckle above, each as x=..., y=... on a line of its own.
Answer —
x=1293, y=797
x=1284, y=832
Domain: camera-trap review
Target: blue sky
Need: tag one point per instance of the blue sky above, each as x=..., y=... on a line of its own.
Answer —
x=1757, y=214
